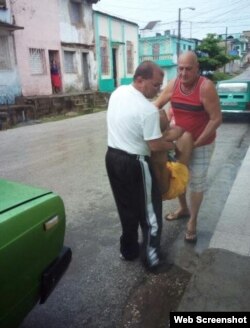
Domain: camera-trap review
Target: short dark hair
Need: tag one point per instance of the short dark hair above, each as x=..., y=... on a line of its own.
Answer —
x=146, y=70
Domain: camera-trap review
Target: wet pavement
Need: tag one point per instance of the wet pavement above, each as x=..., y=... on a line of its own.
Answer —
x=99, y=290
x=221, y=280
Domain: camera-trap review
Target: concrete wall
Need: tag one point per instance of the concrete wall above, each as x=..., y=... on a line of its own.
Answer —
x=80, y=40
x=82, y=33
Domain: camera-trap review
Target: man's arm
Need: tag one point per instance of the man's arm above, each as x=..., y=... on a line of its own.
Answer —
x=211, y=103
x=160, y=144
x=165, y=95
x=161, y=101
x=164, y=121
x=173, y=133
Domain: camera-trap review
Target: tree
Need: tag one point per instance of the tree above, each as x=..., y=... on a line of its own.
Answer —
x=211, y=54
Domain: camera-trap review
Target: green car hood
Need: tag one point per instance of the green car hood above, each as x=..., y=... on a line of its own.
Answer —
x=20, y=194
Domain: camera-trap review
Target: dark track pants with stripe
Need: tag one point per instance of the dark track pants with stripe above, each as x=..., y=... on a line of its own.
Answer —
x=138, y=202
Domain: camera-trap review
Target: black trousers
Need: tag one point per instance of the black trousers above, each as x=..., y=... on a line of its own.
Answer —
x=138, y=202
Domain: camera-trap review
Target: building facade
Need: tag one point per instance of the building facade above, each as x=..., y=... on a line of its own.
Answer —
x=162, y=48
x=10, y=84
x=78, y=45
x=236, y=44
x=53, y=31
x=117, y=51
x=36, y=43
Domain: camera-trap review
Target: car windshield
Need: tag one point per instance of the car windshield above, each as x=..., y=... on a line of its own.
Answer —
x=232, y=87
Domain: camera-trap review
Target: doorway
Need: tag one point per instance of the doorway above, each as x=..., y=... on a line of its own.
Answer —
x=114, y=58
x=85, y=71
x=55, y=71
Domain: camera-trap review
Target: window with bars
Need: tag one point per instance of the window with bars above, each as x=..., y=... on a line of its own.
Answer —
x=37, y=61
x=104, y=55
x=76, y=13
x=69, y=62
x=130, y=57
x=5, y=61
x=3, y=4
x=156, y=51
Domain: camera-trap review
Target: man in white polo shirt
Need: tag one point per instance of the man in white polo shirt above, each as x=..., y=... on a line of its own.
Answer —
x=133, y=133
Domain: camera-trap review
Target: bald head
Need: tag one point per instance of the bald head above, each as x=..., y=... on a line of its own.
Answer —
x=188, y=57
x=188, y=69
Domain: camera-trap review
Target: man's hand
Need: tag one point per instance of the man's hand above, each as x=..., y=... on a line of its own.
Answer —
x=160, y=144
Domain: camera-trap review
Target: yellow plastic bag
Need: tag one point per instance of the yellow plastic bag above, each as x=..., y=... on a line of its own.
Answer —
x=179, y=176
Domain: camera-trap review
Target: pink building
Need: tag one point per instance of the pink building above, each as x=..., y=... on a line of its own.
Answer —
x=37, y=44
x=58, y=31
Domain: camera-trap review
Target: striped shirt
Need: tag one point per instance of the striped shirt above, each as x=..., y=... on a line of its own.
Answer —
x=188, y=110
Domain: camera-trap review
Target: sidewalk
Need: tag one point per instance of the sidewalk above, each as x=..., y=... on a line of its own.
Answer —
x=221, y=280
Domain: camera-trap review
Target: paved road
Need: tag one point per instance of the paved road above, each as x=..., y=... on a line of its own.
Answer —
x=99, y=290
x=244, y=75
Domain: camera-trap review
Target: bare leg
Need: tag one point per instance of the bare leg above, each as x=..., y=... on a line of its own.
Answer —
x=183, y=204
x=195, y=203
x=196, y=195
x=184, y=148
x=182, y=211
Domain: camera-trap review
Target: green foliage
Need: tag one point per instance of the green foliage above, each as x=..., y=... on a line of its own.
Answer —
x=212, y=54
x=219, y=76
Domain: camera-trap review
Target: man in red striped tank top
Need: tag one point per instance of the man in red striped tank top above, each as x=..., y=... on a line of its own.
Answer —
x=195, y=108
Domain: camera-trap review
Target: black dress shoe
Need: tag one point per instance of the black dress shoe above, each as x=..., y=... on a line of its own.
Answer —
x=160, y=267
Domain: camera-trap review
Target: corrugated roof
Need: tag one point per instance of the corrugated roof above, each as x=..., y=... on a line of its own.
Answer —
x=116, y=17
x=150, y=25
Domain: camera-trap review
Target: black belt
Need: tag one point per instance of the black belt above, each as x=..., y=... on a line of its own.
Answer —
x=122, y=152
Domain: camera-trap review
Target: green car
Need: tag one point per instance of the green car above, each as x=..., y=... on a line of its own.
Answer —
x=33, y=257
x=234, y=96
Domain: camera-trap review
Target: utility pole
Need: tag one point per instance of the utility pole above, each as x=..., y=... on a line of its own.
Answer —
x=226, y=42
x=179, y=29
x=225, y=49
x=179, y=33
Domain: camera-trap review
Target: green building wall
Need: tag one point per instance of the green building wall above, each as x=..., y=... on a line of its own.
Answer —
x=107, y=84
